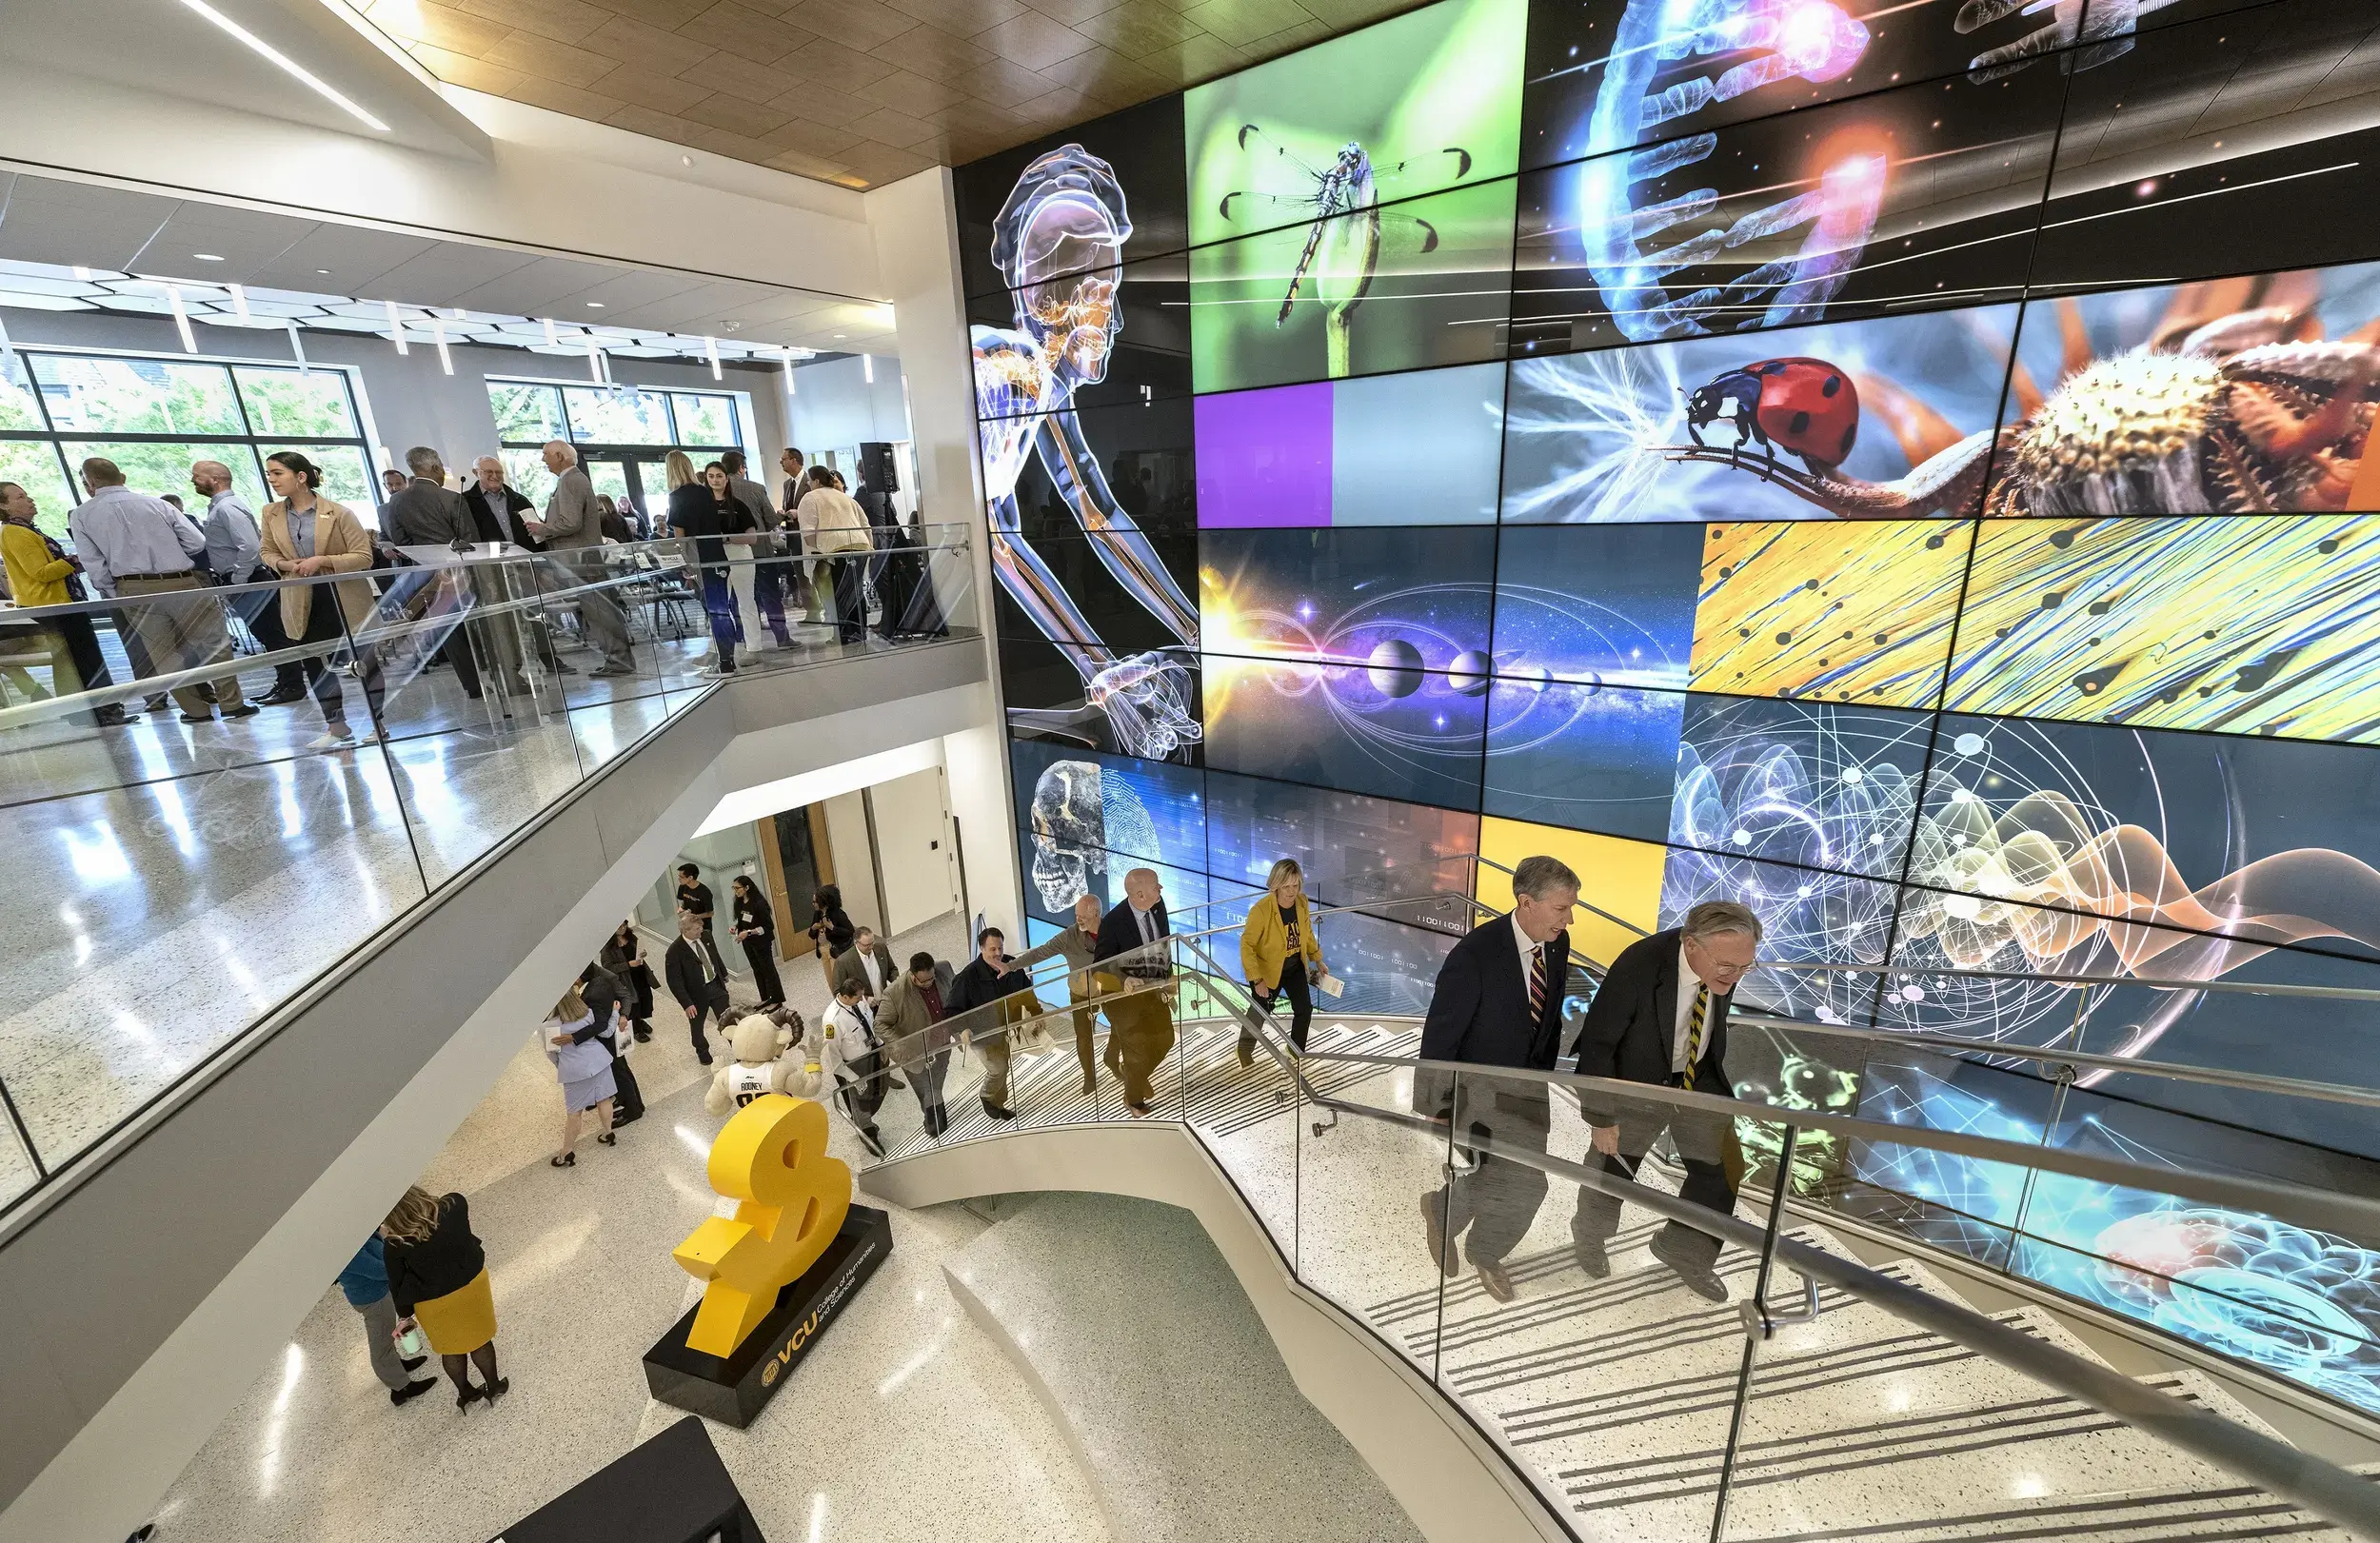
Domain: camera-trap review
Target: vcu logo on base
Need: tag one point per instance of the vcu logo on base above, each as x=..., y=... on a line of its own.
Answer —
x=772, y=1158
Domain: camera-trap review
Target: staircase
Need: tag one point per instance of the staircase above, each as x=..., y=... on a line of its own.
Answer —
x=1615, y=1396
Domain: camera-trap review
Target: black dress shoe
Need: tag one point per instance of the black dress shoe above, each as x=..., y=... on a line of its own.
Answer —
x=402, y=1396
x=998, y=1111
x=196, y=717
x=1698, y=1276
x=283, y=696
x=244, y=709
x=412, y=1363
x=112, y=715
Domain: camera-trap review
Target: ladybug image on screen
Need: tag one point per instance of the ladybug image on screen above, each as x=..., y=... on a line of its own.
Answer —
x=1805, y=407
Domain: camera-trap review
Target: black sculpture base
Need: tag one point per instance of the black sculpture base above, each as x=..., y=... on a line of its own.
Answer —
x=734, y=1391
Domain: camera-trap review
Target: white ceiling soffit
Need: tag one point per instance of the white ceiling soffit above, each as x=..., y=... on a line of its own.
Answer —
x=168, y=49
x=336, y=277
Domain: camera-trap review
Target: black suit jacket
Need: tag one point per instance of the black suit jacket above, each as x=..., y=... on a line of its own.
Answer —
x=505, y=524
x=1631, y=1022
x=1120, y=934
x=685, y=972
x=1479, y=1008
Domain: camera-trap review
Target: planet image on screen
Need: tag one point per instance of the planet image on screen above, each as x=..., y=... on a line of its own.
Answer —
x=1395, y=667
x=1469, y=673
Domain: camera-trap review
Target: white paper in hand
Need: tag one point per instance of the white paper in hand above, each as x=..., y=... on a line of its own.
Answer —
x=1331, y=985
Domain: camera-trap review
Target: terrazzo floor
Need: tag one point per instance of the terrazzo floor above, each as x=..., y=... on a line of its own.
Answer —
x=909, y=1422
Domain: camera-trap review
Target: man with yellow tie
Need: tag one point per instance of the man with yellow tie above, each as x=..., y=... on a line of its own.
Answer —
x=1661, y=1016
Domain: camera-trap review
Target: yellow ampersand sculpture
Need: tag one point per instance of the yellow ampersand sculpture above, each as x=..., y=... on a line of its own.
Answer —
x=773, y=1157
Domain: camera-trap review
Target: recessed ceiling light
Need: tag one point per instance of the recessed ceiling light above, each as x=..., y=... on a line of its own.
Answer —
x=208, y=257
x=843, y=334
x=594, y=304
x=324, y=271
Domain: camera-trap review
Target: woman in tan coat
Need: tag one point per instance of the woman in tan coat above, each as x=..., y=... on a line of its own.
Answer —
x=305, y=534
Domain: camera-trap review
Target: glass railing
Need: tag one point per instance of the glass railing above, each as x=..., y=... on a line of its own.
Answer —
x=1641, y=1359
x=181, y=859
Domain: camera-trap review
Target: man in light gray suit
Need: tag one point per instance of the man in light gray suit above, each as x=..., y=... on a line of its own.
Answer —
x=573, y=533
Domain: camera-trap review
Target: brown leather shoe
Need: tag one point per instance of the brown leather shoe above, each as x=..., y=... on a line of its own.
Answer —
x=1434, y=1224
x=1494, y=1281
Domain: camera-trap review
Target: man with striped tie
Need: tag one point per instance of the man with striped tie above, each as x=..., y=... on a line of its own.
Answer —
x=1498, y=1002
x=1661, y=1016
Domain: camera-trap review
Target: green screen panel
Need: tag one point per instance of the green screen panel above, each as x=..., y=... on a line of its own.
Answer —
x=1397, y=288
x=1429, y=100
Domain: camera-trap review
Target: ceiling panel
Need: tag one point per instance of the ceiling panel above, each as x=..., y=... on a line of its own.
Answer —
x=245, y=241
x=447, y=272
x=541, y=287
x=74, y=222
x=343, y=257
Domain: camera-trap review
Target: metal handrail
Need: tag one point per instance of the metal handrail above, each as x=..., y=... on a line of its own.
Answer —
x=2324, y=1488
x=2351, y=1216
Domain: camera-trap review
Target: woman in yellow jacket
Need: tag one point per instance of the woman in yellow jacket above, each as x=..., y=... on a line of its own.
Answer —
x=41, y=572
x=305, y=534
x=1280, y=954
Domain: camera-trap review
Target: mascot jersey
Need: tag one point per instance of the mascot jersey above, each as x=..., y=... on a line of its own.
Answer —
x=746, y=1083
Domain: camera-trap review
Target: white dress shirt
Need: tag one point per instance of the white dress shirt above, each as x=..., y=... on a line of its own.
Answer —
x=1530, y=948
x=851, y=1034
x=1686, y=983
x=875, y=973
x=117, y=531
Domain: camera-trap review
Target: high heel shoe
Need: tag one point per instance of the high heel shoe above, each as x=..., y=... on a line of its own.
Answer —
x=568, y=1160
x=496, y=1390
x=608, y=1139
x=464, y=1400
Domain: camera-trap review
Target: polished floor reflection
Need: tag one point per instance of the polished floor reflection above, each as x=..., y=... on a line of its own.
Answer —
x=906, y=1422
x=172, y=882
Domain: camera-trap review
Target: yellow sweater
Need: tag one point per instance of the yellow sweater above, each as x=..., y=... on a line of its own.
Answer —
x=1264, y=943
x=35, y=578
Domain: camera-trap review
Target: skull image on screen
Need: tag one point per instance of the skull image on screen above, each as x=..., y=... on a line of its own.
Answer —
x=1069, y=834
x=1081, y=815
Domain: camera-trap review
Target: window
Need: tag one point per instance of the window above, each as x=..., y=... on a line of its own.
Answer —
x=154, y=417
x=622, y=434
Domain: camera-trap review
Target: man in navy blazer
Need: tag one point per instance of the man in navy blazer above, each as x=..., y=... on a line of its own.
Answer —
x=1498, y=1002
x=1140, y=1028
x=1661, y=1017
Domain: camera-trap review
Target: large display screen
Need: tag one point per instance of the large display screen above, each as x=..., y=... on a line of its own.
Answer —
x=1900, y=466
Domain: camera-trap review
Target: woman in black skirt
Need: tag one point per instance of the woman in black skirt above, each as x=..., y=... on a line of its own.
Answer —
x=624, y=956
x=756, y=929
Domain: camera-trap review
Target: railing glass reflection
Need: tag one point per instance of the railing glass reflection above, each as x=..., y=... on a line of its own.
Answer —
x=181, y=863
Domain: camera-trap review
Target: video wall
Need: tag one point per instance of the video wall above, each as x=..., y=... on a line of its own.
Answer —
x=1902, y=467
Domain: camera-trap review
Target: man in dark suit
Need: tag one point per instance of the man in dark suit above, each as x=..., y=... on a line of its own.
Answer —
x=1498, y=1002
x=1140, y=1027
x=601, y=992
x=1661, y=1017
x=425, y=513
x=698, y=978
x=496, y=509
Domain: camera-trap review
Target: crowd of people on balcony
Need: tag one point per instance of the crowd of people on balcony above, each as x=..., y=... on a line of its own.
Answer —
x=817, y=550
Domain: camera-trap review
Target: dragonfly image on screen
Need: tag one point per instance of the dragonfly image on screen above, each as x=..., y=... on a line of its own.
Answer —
x=1349, y=232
